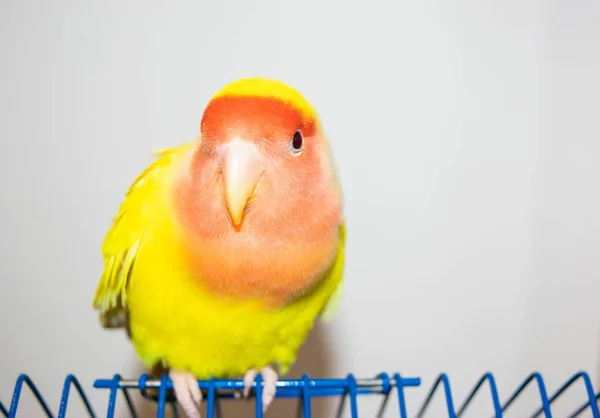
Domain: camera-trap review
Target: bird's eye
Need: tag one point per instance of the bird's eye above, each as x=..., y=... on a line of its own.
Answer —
x=297, y=142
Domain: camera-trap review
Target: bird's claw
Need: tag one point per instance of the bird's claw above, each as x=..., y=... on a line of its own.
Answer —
x=270, y=377
x=187, y=392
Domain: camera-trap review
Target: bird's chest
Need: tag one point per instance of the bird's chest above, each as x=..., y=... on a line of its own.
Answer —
x=174, y=319
x=273, y=271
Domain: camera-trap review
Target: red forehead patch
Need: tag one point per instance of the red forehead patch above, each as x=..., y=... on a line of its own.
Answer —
x=253, y=117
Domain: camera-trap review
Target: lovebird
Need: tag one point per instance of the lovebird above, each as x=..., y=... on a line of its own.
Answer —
x=227, y=248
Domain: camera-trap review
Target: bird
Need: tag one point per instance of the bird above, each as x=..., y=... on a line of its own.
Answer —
x=229, y=247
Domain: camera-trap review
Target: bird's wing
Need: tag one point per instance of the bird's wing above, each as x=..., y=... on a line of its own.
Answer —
x=121, y=245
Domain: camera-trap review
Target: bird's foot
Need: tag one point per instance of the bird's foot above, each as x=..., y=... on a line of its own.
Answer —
x=270, y=377
x=187, y=392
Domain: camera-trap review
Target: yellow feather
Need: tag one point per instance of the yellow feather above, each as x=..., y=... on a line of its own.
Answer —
x=333, y=305
x=123, y=239
x=262, y=87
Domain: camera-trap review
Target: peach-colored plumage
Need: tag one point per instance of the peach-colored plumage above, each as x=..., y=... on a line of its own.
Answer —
x=289, y=233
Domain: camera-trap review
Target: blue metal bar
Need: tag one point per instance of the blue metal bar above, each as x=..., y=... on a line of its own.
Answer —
x=543, y=393
x=162, y=395
x=112, y=397
x=3, y=410
x=258, y=390
x=584, y=407
x=72, y=380
x=143, y=379
x=306, y=413
x=210, y=408
x=564, y=387
x=400, y=384
x=297, y=393
x=385, y=390
x=352, y=391
x=330, y=386
x=24, y=379
x=443, y=378
x=494, y=392
x=314, y=393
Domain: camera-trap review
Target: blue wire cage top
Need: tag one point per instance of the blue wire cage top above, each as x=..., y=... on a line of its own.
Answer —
x=348, y=389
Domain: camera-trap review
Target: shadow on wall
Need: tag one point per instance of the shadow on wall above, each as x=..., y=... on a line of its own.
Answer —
x=314, y=358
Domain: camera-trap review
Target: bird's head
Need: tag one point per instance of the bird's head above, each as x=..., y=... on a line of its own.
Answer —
x=267, y=142
x=260, y=199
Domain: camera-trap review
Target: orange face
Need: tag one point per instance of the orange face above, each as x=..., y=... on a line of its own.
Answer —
x=260, y=200
x=263, y=120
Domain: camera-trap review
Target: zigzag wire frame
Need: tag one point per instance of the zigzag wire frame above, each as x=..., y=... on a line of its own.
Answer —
x=306, y=388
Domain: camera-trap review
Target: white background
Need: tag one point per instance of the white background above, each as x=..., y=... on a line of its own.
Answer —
x=467, y=138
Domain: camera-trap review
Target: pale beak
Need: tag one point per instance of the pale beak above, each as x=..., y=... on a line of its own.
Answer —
x=242, y=168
